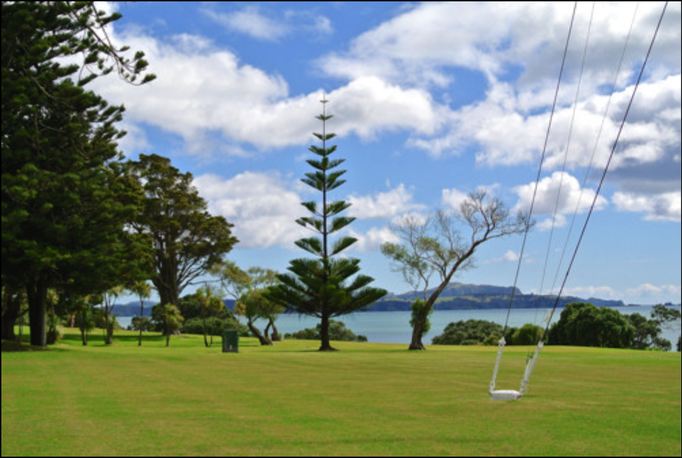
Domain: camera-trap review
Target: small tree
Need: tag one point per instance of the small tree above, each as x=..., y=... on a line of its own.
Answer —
x=172, y=320
x=108, y=318
x=143, y=290
x=435, y=246
x=210, y=305
x=250, y=305
x=322, y=287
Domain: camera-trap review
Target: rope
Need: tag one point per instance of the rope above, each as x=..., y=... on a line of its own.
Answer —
x=594, y=150
x=532, y=204
x=608, y=163
x=531, y=363
x=542, y=161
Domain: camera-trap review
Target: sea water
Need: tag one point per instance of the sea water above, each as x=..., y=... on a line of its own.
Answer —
x=394, y=327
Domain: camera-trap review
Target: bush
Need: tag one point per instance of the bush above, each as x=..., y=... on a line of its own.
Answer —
x=528, y=334
x=217, y=325
x=586, y=325
x=470, y=332
x=337, y=332
x=141, y=322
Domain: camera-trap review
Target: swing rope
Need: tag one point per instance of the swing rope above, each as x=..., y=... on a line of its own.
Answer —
x=502, y=341
x=511, y=394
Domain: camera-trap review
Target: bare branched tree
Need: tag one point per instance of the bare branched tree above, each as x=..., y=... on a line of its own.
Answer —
x=436, y=245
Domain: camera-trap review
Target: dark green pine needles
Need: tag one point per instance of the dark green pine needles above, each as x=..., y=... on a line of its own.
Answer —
x=326, y=286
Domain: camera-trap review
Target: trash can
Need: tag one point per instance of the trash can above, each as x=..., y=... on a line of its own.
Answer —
x=230, y=341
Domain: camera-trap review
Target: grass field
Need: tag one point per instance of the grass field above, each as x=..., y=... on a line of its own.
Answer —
x=368, y=399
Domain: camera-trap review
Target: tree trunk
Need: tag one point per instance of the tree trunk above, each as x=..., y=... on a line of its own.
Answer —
x=417, y=331
x=418, y=328
x=324, y=335
x=256, y=332
x=275, y=337
x=139, y=342
x=11, y=311
x=205, y=333
x=36, y=292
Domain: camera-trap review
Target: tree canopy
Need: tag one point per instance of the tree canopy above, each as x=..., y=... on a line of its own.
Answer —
x=187, y=240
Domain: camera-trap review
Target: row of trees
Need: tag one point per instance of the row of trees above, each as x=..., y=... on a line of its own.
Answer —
x=580, y=324
x=77, y=218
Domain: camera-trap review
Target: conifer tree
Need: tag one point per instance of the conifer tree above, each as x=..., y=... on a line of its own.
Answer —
x=327, y=285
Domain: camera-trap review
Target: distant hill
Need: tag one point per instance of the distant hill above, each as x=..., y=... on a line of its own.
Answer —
x=456, y=296
x=460, y=296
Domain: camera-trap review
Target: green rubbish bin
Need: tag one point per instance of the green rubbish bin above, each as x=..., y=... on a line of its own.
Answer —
x=230, y=341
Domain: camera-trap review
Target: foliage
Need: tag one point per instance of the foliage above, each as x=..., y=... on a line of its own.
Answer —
x=528, y=334
x=662, y=314
x=248, y=287
x=143, y=290
x=435, y=245
x=253, y=305
x=214, y=326
x=324, y=287
x=337, y=332
x=65, y=194
x=584, y=324
x=170, y=316
x=646, y=332
x=210, y=304
x=142, y=324
x=187, y=239
x=469, y=332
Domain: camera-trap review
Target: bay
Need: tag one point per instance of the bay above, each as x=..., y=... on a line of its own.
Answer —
x=394, y=327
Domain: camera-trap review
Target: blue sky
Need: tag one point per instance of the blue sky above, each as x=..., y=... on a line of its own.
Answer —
x=431, y=101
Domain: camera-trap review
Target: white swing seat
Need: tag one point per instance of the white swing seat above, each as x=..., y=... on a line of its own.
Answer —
x=505, y=395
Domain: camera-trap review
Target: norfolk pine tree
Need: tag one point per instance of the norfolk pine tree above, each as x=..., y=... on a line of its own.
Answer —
x=322, y=287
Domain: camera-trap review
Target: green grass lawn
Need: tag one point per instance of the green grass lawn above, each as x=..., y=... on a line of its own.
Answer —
x=368, y=399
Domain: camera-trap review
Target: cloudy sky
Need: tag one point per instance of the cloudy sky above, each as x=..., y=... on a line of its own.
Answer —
x=430, y=101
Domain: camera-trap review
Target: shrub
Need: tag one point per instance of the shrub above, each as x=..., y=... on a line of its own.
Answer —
x=337, y=331
x=469, y=332
x=528, y=334
x=586, y=325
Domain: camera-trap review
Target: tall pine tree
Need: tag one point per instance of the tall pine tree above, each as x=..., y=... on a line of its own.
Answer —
x=327, y=285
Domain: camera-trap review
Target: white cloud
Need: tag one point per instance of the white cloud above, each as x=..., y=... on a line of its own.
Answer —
x=453, y=198
x=261, y=206
x=560, y=191
x=653, y=293
x=586, y=292
x=383, y=205
x=661, y=207
x=202, y=91
x=511, y=256
x=643, y=294
x=257, y=23
x=373, y=239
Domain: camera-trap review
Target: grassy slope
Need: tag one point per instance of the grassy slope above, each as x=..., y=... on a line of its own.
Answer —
x=368, y=399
